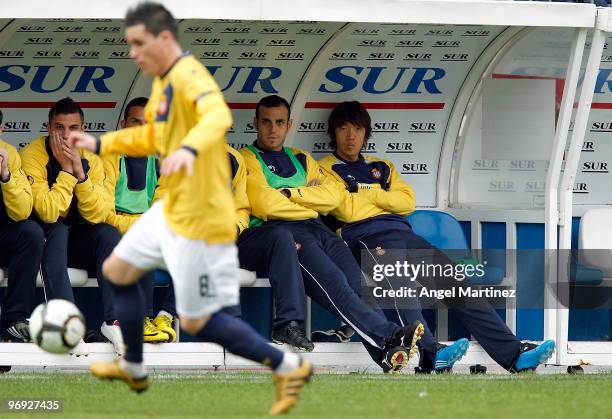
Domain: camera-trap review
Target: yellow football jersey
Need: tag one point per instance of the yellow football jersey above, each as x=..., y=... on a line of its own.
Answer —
x=186, y=109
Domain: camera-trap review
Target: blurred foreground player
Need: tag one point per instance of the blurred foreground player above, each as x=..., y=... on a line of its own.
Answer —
x=133, y=183
x=192, y=229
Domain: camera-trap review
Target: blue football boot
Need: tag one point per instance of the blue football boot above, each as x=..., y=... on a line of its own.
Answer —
x=533, y=355
x=448, y=355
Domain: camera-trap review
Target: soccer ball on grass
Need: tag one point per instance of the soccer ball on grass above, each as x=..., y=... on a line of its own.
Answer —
x=57, y=326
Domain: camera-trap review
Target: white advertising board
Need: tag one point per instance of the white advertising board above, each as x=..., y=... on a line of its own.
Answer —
x=407, y=75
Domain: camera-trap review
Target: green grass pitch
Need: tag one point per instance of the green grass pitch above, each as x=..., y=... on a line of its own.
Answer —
x=234, y=394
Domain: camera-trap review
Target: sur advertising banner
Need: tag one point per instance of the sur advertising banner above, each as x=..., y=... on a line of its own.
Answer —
x=408, y=76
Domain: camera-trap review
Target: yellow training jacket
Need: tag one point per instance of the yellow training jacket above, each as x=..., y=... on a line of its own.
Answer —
x=370, y=199
x=52, y=203
x=186, y=108
x=305, y=202
x=239, y=186
x=16, y=193
x=121, y=221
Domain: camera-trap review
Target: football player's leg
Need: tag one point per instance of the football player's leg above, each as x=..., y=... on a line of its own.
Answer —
x=279, y=259
x=54, y=264
x=139, y=246
x=151, y=333
x=389, y=344
x=476, y=314
x=164, y=320
x=206, y=280
x=129, y=310
x=88, y=247
x=21, y=248
x=383, y=251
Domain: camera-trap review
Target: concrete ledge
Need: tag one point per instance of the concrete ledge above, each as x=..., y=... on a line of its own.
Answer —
x=189, y=354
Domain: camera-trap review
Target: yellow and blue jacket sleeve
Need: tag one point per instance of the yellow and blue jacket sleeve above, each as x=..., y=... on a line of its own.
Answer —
x=213, y=115
x=323, y=197
x=397, y=199
x=241, y=199
x=49, y=203
x=93, y=202
x=16, y=192
x=266, y=202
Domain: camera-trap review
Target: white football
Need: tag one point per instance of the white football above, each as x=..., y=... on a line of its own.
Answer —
x=57, y=326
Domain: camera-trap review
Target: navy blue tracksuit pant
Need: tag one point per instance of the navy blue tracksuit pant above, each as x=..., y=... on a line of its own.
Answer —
x=270, y=250
x=168, y=302
x=81, y=246
x=477, y=315
x=21, y=248
x=330, y=277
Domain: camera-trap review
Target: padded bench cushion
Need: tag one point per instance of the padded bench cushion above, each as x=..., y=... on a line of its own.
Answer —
x=246, y=278
x=79, y=278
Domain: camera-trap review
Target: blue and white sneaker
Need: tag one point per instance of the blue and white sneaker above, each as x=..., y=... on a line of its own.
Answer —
x=447, y=356
x=533, y=355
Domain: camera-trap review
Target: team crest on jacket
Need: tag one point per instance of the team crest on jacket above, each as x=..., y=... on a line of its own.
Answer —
x=162, y=109
x=376, y=173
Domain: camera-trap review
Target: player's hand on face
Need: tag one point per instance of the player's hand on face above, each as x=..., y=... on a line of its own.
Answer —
x=73, y=154
x=4, y=169
x=56, y=143
x=82, y=140
x=176, y=161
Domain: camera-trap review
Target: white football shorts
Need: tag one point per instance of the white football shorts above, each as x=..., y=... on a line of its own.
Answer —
x=205, y=276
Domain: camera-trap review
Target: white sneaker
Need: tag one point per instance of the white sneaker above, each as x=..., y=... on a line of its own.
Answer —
x=113, y=333
x=80, y=349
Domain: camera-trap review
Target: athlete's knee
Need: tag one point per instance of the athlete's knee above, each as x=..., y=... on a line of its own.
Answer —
x=107, y=235
x=31, y=237
x=193, y=325
x=120, y=272
x=281, y=237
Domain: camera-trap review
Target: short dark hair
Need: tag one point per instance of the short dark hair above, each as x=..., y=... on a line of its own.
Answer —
x=272, y=101
x=65, y=106
x=353, y=112
x=137, y=101
x=155, y=17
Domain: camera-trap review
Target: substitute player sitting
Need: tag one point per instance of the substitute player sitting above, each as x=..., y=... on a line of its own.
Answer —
x=287, y=189
x=277, y=257
x=71, y=205
x=21, y=245
x=192, y=229
x=375, y=226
